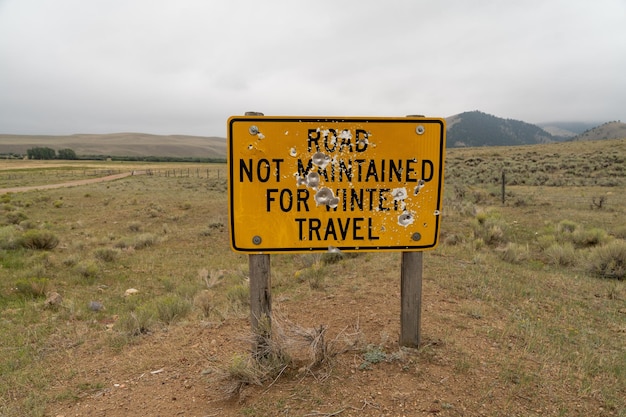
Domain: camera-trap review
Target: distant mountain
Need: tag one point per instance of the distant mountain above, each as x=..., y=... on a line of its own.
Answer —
x=609, y=130
x=120, y=144
x=567, y=129
x=476, y=128
x=472, y=128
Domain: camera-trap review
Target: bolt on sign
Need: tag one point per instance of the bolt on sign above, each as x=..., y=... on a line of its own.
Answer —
x=300, y=184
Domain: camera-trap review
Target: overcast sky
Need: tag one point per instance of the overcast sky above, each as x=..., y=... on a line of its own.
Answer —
x=185, y=66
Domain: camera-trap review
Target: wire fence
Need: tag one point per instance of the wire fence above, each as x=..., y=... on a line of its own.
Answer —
x=43, y=177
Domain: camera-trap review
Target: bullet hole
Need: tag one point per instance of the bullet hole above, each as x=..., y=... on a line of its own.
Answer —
x=399, y=194
x=313, y=179
x=324, y=196
x=320, y=159
x=405, y=219
x=419, y=186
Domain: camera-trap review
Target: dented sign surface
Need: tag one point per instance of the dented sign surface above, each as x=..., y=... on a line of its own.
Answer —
x=300, y=184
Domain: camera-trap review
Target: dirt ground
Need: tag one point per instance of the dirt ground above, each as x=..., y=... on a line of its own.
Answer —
x=456, y=372
x=70, y=183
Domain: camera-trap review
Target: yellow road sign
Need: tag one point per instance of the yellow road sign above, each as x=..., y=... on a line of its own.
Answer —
x=301, y=184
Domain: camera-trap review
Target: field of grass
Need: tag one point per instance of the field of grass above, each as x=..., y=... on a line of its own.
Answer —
x=18, y=173
x=113, y=285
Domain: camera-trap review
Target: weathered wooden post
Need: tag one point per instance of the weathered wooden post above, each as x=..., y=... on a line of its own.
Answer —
x=260, y=295
x=411, y=296
x=503, y=187
x=260, y=302
x=411, y=299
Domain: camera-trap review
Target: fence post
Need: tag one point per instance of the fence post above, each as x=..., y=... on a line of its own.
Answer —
x=503, y=187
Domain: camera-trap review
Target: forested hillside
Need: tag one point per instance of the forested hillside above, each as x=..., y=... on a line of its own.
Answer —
x=476, y=128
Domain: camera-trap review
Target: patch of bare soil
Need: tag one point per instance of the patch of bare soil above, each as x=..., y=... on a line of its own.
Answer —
x=458, y=371
x=69, y=183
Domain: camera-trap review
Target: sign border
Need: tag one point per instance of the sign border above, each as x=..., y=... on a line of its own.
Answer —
x=328, y=119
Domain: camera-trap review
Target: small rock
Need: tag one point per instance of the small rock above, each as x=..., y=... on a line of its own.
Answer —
x=54, y=299
x=130, y=291
x=96, y=306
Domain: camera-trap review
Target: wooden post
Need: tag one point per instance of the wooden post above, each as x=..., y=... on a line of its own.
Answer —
x=411, y=296
x=411, y=299
x=260, y=296
x=260, y=303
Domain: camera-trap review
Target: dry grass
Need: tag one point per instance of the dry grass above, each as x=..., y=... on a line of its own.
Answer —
x=520, y=300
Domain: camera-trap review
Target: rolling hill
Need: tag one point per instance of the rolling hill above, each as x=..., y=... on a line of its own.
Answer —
x=567, y=129
x=476, y=128
x=609, y=130
x=469, y=129
x=120, y=144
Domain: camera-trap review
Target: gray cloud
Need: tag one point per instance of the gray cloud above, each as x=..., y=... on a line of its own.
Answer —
x=154, y=66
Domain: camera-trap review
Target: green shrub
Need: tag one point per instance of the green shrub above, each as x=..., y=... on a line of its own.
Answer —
x=124, y=243
x=372, y=355
x=145, y=240
x=490, y=228
x=478, y=244
x=204, y=301
x=243, y=370
x=171, y=308
x=566, y=226
x=15, y=217
x=38, y=240
x=238, y=294
x=545, y=241
x=330, y=258
x=454, y=239
x=589, y=237
x=106, y=254
x=142, y=241
x=88, y=270
x=479, y=196
x=33, y=287
x=609, y=261
x=460, y=208
x=135, y=323
x=71, y=260
x=213, y=227
x=514, y=253
x=27, y=225
x=9, y=238
x=562, y=254
x=135, y=227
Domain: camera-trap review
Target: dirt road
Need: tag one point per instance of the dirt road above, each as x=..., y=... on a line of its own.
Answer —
x=70, y=183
